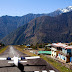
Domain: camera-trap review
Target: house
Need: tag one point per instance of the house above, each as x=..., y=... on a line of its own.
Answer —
x=48, y=46
x=28, y=45
x=62, y=51
x=27, y=48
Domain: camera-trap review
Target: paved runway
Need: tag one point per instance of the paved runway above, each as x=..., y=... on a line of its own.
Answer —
x=11, y=52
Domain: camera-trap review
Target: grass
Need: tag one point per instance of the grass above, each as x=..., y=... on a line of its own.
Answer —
x=41, y=49
x=56, y=64
x=49, y=60
x=3, y=49
x=26, y=52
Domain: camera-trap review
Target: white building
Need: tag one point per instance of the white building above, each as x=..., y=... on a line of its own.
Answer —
x=62, y=51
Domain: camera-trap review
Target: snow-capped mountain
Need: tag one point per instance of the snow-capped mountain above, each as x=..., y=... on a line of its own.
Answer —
x=60, y=11
x=67, y=9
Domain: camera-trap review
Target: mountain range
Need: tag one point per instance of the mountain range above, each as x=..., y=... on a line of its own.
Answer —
x=37, y=28
x=11, y=23
x=67, y=9
x=43, y=30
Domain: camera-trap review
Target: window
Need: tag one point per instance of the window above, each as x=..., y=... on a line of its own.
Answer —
x=68, y=50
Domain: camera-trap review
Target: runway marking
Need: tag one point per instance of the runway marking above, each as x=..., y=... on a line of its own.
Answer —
x=13, y=52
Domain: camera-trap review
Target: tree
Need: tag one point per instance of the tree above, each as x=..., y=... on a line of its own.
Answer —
x=1, y=45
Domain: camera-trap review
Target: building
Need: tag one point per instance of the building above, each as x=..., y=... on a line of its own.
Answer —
x=27, y=48
x=61, y=51
x=48, y=47
x=44, y=52
x=28, y=45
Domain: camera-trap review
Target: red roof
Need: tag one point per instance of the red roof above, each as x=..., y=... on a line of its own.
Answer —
x=62, y=45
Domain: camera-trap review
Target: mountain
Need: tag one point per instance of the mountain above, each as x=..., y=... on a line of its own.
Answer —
x=11, y=23
x=43, y=30
x=55, y=13
x=60, y=11
x=67, y=9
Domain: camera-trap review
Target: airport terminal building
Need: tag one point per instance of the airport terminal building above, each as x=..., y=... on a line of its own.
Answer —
x=61, y=51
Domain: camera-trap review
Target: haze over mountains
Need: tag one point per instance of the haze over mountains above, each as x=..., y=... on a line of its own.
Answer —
x=42, y=28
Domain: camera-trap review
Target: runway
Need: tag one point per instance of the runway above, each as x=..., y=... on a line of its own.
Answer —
x=30, y=65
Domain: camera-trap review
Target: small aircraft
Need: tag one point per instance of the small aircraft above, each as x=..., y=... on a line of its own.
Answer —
x=17, y=60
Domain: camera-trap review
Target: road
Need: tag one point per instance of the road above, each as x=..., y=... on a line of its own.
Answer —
x=11, y=52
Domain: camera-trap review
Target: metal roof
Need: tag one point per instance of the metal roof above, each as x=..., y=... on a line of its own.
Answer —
x=62, y=45
x=28, y=45
x=48, y=45
x=44, y=52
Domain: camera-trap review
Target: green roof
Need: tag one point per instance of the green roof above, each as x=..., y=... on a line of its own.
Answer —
x=44, y=52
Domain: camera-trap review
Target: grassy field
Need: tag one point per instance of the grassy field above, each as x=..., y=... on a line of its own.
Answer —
x=49, y=60
x=3, y=49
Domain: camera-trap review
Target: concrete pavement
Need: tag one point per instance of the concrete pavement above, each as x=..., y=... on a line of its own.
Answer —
x=11, y=52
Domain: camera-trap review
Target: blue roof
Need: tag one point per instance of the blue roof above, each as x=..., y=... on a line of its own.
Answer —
x=28, y=45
